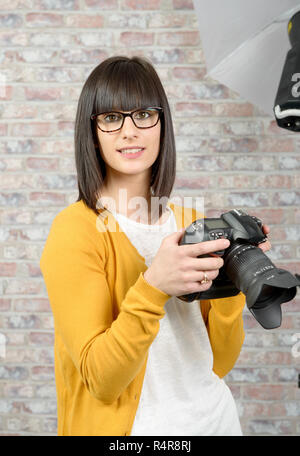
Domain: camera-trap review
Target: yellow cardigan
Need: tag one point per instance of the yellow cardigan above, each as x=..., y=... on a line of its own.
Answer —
x=106, y=316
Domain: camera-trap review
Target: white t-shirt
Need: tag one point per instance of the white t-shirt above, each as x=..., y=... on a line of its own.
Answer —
x=181, y=395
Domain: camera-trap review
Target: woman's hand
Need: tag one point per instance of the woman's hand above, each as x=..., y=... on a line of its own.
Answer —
x=265, y=246
x=176, y=270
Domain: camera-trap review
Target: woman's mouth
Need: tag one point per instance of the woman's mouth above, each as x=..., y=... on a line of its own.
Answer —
x=132, y=153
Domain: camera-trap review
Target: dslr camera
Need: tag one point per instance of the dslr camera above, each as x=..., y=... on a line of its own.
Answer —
x=246, y=267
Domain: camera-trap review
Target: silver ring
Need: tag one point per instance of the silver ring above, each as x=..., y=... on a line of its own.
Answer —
x=205, y=280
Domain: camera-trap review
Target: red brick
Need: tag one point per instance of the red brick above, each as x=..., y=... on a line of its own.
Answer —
x=183, y=4
x=41, y=338
x=265, y=357
x=200, y=182
x=144, y=5
x=22, y=286
x=234, y=182
x=14, y=5
x=81, y=55
x=3, y=129
x=18, y=390
x=50, y=164
x=42, y=373
x=178, y=38
x=233, y=145
x=252, y=409
x=271, y=427
x=233, y=109
x=264, y=392
x=189, y=73
x=273, y=181
x=293, y=267
x=43, y=93
x=47, y=198
x=5, y=304
x=270, y=144
x=83, y=20
x=6, y=92
x=192, y=109
x=8, y=269
x=102, y=4
x=293, y=305
x=44, y=19
x=33, y=129
x=137, y=38
x=31, y=305
x=167, y=20
x=72, y=5
x=270, y=216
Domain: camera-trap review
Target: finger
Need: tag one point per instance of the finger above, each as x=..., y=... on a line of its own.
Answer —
x=175, y=237
x=266, y=229
x=197, y=286
x=205, y=264
x=265, y=246
x=203, y=275
x=201, y=248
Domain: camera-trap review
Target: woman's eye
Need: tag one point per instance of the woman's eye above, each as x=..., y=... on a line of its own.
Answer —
x=143, y=114
x=111, y=117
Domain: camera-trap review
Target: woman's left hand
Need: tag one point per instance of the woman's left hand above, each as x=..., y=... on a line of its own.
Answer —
x=265, y=246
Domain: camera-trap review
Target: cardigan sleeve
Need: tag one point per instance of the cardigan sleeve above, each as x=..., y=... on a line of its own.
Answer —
x=224, y=323
x=108, y=352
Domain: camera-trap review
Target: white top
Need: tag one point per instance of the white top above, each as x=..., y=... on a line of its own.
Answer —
x=180, y=361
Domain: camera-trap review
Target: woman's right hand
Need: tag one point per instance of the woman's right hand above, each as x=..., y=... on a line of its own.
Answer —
x=177, y=271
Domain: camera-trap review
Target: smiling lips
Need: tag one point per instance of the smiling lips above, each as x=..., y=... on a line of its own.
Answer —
x=131, y=152
x=132, y=149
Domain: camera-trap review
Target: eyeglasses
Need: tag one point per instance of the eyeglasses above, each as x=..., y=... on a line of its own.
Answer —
x=114, y=120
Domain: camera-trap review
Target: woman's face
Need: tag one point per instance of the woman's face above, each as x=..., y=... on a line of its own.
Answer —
x=129, y=136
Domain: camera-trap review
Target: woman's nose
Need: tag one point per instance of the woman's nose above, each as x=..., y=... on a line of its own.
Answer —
x=128, y=127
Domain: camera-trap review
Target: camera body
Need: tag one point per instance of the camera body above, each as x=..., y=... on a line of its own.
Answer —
x=234, y=225
x=246, y=268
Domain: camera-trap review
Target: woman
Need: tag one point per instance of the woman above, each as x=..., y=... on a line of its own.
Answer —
x=130, y=357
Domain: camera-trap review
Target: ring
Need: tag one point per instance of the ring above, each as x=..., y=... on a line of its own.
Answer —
x=206, y=279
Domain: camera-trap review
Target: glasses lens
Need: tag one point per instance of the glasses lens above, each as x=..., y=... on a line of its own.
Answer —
x=110, y=121
x=145, y=118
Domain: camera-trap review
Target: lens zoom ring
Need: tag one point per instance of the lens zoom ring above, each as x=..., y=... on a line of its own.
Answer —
x=244, y=263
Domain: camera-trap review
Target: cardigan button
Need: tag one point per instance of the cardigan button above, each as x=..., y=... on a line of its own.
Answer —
x=135, y=396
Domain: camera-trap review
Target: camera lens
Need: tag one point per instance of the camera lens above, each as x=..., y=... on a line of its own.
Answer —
x=244, y=264
x=265, y=286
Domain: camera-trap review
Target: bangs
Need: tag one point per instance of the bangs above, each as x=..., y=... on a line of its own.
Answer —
x=125, y=86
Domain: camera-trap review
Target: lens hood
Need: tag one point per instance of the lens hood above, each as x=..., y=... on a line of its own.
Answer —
x=281, y=287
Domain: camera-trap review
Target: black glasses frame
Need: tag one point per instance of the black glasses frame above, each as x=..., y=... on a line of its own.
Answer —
x=158, y=108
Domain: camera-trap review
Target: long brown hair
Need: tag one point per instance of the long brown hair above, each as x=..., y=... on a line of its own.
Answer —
x=123, y=83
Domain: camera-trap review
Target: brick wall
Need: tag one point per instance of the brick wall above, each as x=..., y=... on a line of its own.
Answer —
x=231, y=153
